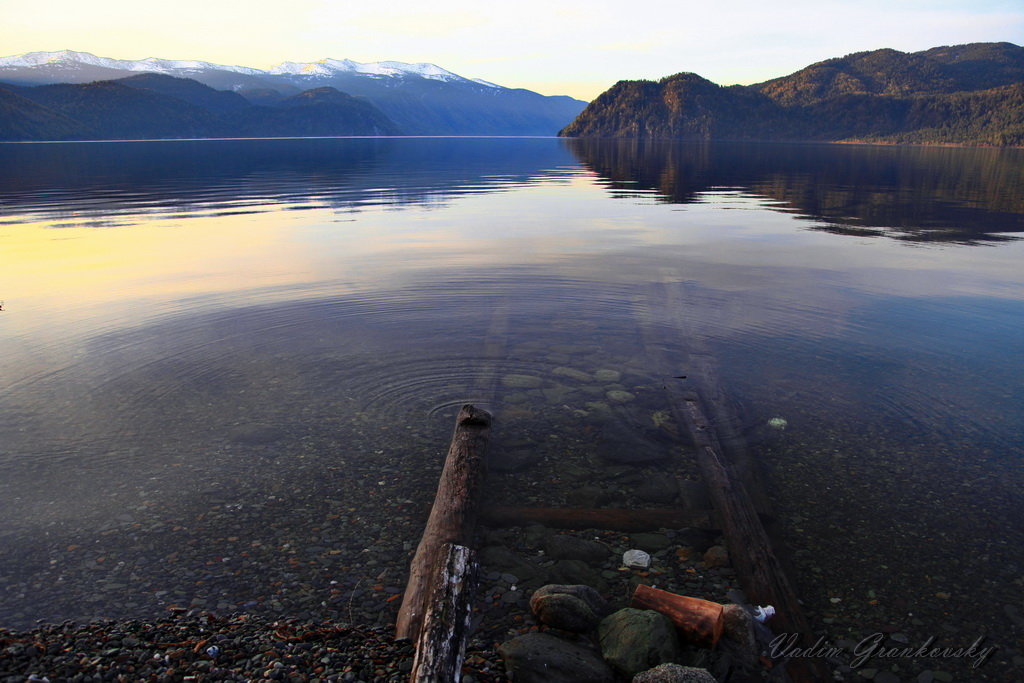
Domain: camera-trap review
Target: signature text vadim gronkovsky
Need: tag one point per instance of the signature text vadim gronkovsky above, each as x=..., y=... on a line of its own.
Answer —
x=788, y=645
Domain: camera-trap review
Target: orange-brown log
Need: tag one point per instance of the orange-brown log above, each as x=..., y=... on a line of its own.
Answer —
x=698, y=621
x=595, y=518
x=452, y=517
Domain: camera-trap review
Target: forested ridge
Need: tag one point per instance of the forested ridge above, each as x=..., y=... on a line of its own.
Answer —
x=963, y=94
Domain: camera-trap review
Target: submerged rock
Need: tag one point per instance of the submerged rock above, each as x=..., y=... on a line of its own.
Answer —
x=572, y=373
x=522, y=381
x=571, y=608
x=576, y=572
x=543, y=658
x=716, y=556
x=565, y=547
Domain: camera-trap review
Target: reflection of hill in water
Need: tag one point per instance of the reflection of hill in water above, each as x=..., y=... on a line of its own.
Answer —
x=95, y=184
x=911, y=193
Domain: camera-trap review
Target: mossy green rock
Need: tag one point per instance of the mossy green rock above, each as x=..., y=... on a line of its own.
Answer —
x=634, y=640
x=607, y=375
x=619, y=396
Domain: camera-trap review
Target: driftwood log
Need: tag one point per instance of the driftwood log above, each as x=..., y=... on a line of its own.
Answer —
x=441, y=646
x=595, y=518
x=699, y=621
x=750, y=551
x=451, y=522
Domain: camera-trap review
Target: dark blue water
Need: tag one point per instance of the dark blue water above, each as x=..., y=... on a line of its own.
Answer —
x=266, y=341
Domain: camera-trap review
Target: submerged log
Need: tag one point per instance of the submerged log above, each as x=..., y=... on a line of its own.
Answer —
x=698, y=621
x=452, y=517
x=441, y=646
x=595, y=518
x=750, y=551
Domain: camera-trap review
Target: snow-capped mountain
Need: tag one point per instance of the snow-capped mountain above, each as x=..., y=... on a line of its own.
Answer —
x=69, y=58
x=324, y=68
x=422, y=99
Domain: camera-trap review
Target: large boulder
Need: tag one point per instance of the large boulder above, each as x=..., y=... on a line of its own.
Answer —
x=571, y=608
x=543, y=658
x=634, y=640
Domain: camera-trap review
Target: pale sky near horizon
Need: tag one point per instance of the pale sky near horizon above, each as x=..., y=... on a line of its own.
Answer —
x=567, y=47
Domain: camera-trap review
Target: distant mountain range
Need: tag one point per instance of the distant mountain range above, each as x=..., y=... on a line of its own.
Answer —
x=77, y=95
x=962, y=94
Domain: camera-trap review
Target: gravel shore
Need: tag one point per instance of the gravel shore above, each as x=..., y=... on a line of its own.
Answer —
x=200, y=646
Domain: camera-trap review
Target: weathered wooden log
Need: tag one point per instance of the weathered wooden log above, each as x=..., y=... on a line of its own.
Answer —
x=441, y=646
x=699, y=621
x=452, y=517
x=750, y=551
x=595, y=518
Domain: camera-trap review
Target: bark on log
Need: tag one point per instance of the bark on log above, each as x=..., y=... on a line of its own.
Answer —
x=595, y=518
x=441, y=646
x=452, y=517
x=759, y=570
x=698, y=621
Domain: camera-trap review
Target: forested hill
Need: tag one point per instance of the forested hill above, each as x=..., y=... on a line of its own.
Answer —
x=148, y=106
x=962, y=94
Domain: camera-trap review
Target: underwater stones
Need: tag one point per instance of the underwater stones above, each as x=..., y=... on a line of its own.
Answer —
x=574, y=608
x=513, y=457
x=576, y=572
x=658, y=488
x=607, y=376
x=619, y=396
x=256, y=434
x=516, y=381
x=572, y=373
x=557, y=394
x=544, y=658
x=716, y=556
x=694, y=495
x=698, y=539
x=674, y=673
x=651, y=542
x=565, y=547
x=634, y=640
x=589, y=496
x=501, y=558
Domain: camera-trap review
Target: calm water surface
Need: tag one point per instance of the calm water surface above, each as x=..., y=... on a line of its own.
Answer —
x=228, y=368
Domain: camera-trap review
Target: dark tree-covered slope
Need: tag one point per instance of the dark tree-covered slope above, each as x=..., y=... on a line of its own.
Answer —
x=159, y=106
x=964, y=94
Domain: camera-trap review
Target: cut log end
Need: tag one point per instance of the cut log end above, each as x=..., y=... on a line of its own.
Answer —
x=698, y=621
x=471, y=416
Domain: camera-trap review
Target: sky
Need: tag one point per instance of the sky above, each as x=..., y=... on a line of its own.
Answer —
x=556, y=47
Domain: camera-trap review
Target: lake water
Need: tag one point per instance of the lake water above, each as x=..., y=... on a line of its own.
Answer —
x=228, y=369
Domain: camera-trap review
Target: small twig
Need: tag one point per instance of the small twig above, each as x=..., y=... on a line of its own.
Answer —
x=351, y=597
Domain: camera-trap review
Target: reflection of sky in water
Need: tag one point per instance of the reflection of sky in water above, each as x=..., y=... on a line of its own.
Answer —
x=212, y=302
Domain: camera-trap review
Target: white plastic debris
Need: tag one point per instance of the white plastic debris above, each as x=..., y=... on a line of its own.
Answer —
x=777, y=423
x=636, y=559
x=762, y=614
